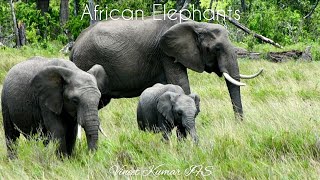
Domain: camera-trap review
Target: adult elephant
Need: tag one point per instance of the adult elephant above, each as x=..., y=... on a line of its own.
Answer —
x=139, y=53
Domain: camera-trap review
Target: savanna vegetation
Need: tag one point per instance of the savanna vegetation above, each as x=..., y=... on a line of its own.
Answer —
x=278, y=139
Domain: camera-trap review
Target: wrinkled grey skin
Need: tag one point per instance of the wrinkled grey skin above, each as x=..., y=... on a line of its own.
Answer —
x=163, y=107
x=52, y=96
x=137, y=54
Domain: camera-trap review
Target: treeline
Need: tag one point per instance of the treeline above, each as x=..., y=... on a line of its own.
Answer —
x=42, y=21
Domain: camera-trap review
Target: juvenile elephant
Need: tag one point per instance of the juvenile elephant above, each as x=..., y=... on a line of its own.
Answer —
x=163, y=107
x=53, y=96
x=137, y=54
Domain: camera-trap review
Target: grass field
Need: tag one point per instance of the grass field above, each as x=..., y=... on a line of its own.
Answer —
x=277, y=139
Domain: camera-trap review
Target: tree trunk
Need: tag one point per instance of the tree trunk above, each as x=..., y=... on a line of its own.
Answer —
x=210, y=12
x=91, y=9
x=76, y=7
x=43, y=5
x=22, y=33
x=243, y=5
x=64, y=12
x=182, y=4
x=179, y=4
x=15, y=28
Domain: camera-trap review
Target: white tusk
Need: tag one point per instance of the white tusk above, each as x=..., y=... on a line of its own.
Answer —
x=251, y=76
x=102, y=132
x=100, y=129
x=233, y=81
x=79, y=132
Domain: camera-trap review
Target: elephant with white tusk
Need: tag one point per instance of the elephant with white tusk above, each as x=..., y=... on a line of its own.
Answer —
x=139, y=53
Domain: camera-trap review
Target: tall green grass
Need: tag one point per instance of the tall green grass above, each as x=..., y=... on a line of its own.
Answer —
x=276, y=140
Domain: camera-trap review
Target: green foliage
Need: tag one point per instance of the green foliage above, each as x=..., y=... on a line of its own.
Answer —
x=280, y=20
x=251, y=41
x=5, y=21
x=75, y=25
x=40, y=27
x=279, y=25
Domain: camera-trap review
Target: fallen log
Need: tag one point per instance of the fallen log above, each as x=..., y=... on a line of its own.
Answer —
x=276, y=56
x=284, y=56
x=293, y=54
x=243, y=53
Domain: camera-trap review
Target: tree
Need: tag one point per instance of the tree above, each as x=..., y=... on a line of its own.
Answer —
x=182, y=4
x=312, y=10
x=76, y=7
x=64, y=12
x=91, y=9
x=15, y=28
x=243, y=5
x=43, y=5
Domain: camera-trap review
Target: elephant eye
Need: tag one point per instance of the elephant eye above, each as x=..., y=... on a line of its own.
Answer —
x=179, y=113
x=75, y=100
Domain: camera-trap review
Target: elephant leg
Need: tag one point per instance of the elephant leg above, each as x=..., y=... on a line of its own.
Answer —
x=181, y=133
x=56, y=129
x=10, y=132
x=104, y=100
x=71, y=135
x=45, y=134
x=176, y=74
x=11, y=135
x=58, y=133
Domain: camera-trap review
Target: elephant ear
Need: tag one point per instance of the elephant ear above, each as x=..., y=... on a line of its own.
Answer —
x=196, y=99
x=164, y=105
x=181, y=42
x=100, y=74
x=48, y=85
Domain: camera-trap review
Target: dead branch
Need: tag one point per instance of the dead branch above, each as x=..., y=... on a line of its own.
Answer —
x=312, y=10
x=248, y=31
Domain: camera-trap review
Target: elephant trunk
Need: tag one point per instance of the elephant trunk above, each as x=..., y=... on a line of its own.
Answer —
x=91, y=129
x=191, y=129
x=228, y=65
x=235, y=95
x=194, y=136
x=90, y=122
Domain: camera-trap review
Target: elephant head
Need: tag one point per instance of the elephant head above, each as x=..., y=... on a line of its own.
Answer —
x=180, y=110
x=73, y=92
x=206, y=47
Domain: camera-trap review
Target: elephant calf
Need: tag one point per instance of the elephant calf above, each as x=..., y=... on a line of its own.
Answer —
x=53, y=96
x=163, y=107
